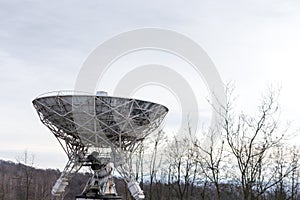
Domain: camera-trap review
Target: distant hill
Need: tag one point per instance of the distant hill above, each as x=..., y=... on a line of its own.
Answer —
x=21, y=182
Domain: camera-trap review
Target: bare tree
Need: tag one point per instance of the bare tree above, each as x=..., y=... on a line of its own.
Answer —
x=154, y=164
x=210, y=162
x=2, y=184
x=284, y=170
x=181, y=165
x=26, y=164
x=250, y=140
x=294, y=176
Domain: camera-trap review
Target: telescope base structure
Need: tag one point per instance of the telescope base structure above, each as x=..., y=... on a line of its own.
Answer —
x=70, y=170
x=101, y=184
x=83, y=122
x=99, y=197
x=119, y=160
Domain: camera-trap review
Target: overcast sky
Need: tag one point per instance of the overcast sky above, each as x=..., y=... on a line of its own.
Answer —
x=43, y=44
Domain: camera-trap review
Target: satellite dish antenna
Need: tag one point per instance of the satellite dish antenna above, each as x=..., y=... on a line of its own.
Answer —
x=100, y=132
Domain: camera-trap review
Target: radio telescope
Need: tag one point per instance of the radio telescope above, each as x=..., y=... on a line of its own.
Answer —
x=100, y=132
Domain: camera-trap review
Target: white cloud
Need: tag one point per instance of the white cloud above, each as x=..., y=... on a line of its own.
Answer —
x=43, y=44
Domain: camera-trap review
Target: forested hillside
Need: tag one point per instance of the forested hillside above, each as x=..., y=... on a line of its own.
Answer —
x=247, y=157
x=21, y=182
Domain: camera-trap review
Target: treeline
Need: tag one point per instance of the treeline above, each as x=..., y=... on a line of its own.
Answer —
x=23, y=182
x=245, y=157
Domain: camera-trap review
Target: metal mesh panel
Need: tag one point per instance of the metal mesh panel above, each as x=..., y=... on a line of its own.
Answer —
x=100, y=121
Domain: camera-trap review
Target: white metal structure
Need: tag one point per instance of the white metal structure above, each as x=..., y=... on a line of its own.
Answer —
x=85, y=123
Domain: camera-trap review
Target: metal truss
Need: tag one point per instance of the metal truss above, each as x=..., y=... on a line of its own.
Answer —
x=81, y=121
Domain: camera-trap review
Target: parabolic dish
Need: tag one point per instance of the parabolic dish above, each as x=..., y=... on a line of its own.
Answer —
x=99, y=121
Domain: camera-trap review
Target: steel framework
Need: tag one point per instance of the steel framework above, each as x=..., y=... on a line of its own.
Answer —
x=82, y=121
